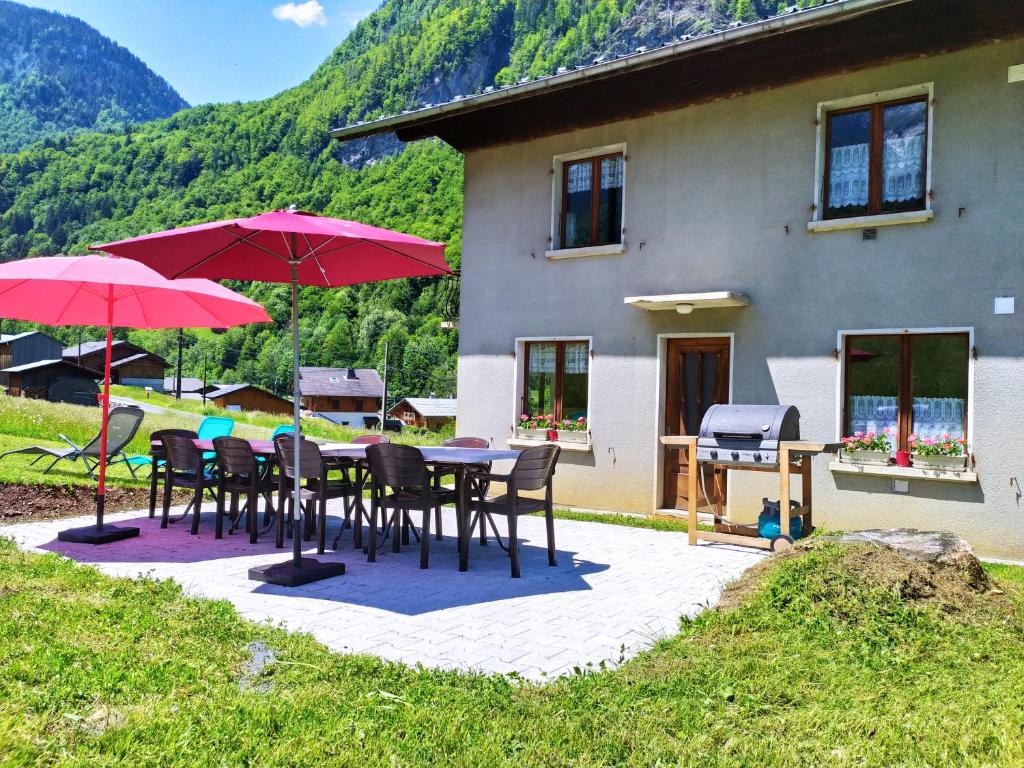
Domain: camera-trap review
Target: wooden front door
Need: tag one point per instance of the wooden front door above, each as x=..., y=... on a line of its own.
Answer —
x=696, y=377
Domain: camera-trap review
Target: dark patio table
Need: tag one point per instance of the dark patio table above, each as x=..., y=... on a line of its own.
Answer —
x=459, y=458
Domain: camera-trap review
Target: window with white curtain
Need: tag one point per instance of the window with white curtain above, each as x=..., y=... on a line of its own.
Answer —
x=591, y=205
x=556, y=379
x=905, y=384
x=875, y=158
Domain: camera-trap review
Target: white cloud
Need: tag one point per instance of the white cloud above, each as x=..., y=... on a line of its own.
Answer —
x=302, y=14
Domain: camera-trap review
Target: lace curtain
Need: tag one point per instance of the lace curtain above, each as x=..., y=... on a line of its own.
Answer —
x=902, y=160
x=579, y=177
x=933, y=416
x=542, y=358
x=575, y=358
x=611, y=173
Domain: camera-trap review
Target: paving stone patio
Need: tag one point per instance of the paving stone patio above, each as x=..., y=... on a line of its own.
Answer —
x=615, y=591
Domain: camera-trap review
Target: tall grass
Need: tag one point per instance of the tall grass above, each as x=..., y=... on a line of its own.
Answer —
x=43, y=420
x=311, y=425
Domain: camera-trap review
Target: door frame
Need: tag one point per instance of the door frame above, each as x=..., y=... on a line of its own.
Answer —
x=659, y=403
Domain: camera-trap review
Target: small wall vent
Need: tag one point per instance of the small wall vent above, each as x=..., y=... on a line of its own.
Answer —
x=869, y=234
x=1016, y=74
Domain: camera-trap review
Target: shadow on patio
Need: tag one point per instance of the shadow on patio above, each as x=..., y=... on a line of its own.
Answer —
x=395, y=583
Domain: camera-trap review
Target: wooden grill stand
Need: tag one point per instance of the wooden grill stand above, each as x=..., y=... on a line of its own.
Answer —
x=794, y=459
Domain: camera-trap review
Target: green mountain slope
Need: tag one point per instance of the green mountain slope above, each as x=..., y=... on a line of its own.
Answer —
x=58, y=74
x=236, y=159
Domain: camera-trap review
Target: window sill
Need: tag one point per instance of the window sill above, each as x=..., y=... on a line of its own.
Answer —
x=522, y=442
x=865, y=222
x=612, y=249
x=904, y=473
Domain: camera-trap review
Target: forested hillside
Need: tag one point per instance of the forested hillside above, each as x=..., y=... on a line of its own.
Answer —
x=235, y=159
x=58, y=74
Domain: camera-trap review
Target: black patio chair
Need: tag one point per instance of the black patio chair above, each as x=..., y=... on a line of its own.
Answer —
x=185, y=467
x=477, y=485
x=318, y=490
x=240, y=472
x=156, y=458
x=401, y=482
x=533, y=470
x=359, y=478
x=122, y=424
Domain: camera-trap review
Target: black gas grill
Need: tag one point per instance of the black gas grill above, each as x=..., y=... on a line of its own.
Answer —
x=746, y=435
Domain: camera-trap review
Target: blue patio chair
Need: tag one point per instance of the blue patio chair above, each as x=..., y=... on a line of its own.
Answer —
x=280, y=429
x=283, y=429
x=214, y=426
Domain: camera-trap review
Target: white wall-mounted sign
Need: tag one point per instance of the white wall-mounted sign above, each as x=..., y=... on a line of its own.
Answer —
x=1003, y=305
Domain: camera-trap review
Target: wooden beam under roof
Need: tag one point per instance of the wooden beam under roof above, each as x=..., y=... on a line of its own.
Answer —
x=882, y=33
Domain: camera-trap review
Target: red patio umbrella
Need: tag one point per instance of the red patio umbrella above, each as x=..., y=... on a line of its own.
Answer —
x=294, y=247
x=112, y=292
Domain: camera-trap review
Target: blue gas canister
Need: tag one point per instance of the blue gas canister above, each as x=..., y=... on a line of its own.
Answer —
x=768, y=526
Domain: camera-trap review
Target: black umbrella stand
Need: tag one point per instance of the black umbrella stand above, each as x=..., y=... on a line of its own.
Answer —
x=299, y=570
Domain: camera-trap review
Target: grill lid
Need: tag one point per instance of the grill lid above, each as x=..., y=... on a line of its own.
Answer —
x=754, y=423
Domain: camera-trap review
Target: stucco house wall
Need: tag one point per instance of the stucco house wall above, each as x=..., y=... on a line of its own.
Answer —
x=718, y=197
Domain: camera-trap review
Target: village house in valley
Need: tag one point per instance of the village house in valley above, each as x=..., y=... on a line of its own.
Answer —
x=248, y=397
x=348, y=396
x=823, y=209
x=18, y=349
x=428, y=412
x=130, y=365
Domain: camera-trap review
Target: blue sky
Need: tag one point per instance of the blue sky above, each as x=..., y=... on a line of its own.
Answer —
x=223, y=50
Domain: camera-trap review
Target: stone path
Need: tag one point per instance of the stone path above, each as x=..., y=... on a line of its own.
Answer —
x=615, y=591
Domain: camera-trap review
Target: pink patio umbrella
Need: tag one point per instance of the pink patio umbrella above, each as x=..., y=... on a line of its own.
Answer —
x=112, y=292
x=294, y=247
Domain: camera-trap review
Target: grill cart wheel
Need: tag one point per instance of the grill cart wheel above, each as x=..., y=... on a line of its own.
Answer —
x=781, y=543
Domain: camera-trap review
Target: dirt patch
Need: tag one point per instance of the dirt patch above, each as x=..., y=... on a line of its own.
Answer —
x=962, y=587
x=20, y=502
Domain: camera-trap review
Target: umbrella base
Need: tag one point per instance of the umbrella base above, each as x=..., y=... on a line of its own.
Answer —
x=291, y=575
x=90, y=534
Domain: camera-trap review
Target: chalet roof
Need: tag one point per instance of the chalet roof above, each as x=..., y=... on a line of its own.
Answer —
x=89, y=347
x=430, y=406
x=7, y=338
x=42, y=364
x=796, y=45
x=188, y=384
x=341, y=382
x=227, y=389
x=136, y=357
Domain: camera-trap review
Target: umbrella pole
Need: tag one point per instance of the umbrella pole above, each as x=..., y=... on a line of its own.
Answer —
x=100, y=533
x=105, y=405
x=299, y=570
x=297, y=416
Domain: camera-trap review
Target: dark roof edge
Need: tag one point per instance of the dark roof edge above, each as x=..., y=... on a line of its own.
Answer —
x=830, y=12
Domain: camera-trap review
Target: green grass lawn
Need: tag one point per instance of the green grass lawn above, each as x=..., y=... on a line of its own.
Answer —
x=818, y=666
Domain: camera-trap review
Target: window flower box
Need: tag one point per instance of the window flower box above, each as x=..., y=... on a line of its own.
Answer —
x=866, y=448
x=864, y=457
x=945, y=452
x=532, y=434
x=951, y=463
x=566, y=430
